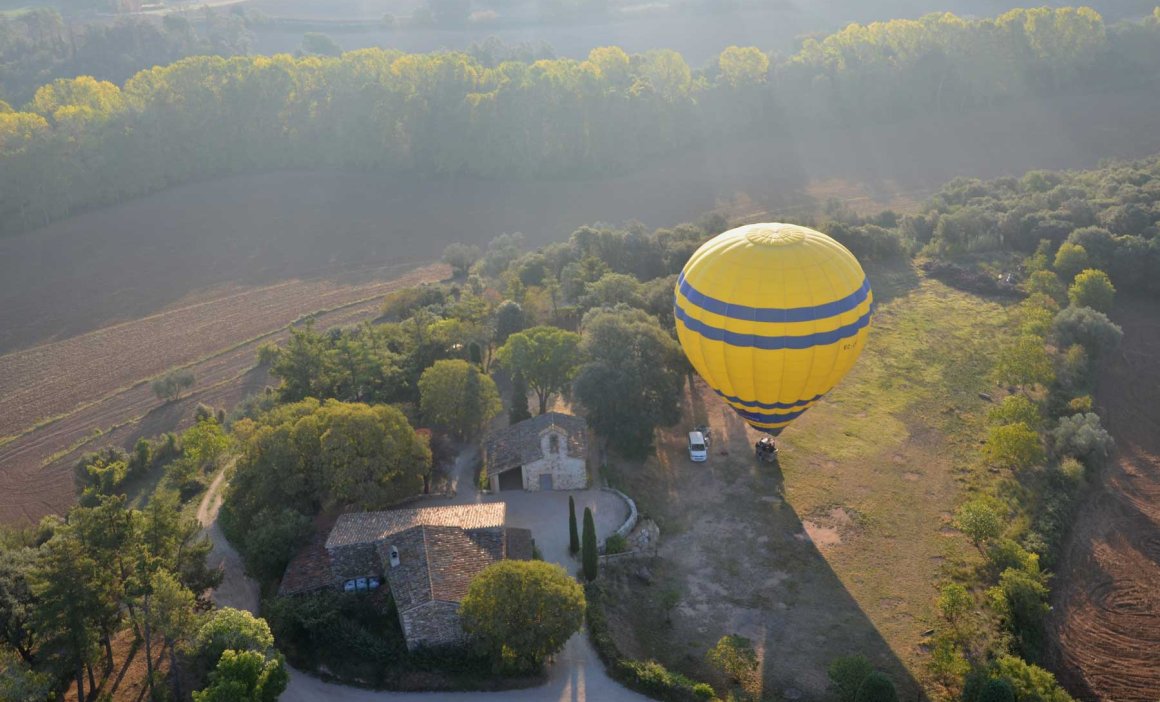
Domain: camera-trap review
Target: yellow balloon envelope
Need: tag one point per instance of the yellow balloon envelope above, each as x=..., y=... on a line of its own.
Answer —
x=772, y=316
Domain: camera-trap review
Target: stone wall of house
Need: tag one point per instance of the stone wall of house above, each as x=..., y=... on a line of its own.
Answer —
x=354, y=561
x=433, y=625
x=567, y=473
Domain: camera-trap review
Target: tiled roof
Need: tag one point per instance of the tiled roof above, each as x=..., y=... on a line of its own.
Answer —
x=439, y=562
x=370, y=527
x=308, y=571
x=519, y=444
x=519, y=544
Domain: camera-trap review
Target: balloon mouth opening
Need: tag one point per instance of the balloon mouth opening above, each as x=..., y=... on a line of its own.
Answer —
x=768, y=430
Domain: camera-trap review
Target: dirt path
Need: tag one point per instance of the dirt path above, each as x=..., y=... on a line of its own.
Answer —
x=1106, y=619
x=236, y=590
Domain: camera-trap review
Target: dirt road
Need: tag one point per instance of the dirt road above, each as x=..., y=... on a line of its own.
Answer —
x=1106, y=618
x=236, y=590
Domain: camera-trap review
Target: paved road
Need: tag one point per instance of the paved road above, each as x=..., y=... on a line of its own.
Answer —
x=577, y=675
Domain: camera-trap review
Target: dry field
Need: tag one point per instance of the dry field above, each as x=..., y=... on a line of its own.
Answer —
x=837, y=552
x=93, y=390
x=1107, y=607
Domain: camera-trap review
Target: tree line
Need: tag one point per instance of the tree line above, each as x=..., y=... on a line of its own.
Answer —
x=82, y=142
x=39, y=46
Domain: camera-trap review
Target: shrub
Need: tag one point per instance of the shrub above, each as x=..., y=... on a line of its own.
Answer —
x=1071, y=469
x=245, y=675
x=1014, y=446
x=734, y=656
x=877, y=687
x=1013, y=409
x=461, y=257
x=1083, y=325
x=170, y=386
x=1080, y=405
x=1070, y=260
x=1083, y=436
x=954, y=601
x=980, y=521
x=847, y=674
x=1025, y=363
x=1030, y=682
x=615, y=544
x=1074, y=368
x=947, y=662
x=1048, y=284
x=267, y=354
x=1020, y=600
x=1053, y=514
x=231, y=629
x=1005, y=553
x=1092, y=288
x=997, y=690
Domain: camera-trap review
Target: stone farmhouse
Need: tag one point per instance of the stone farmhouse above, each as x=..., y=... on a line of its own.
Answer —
x=428, y=557
x=548, y=452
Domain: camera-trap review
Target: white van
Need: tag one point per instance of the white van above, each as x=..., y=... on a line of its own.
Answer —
x=698, y=451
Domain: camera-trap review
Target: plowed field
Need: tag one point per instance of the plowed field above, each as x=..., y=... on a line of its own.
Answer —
x=73, y=396
x=1107, y=597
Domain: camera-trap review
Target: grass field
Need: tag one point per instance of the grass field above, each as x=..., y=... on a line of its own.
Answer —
x=840, y=550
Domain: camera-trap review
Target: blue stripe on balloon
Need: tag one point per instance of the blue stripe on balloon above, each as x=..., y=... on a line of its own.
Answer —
x=772, y=418
x=773, y=314
x=772, y=431
x=771, y=343
x=770, y=405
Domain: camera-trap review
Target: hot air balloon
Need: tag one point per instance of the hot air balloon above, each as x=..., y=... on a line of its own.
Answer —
x=772, y=316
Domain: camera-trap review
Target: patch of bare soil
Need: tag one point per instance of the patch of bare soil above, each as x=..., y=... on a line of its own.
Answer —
x=1106, y=618
x=98, y=381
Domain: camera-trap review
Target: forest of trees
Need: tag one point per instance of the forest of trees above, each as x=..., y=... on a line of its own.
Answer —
x=82, y=142
x=39, y=46
x=1105, y=218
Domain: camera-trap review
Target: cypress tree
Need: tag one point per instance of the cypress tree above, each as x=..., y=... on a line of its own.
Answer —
x=589, y=546
x=573, y=534
x=519, y=411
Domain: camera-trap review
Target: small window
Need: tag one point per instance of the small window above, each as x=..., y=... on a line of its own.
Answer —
x=553, y=443
x=348, y=586
x=394, y=556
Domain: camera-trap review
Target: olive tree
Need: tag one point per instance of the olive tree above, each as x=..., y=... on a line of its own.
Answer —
x=522, y=612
